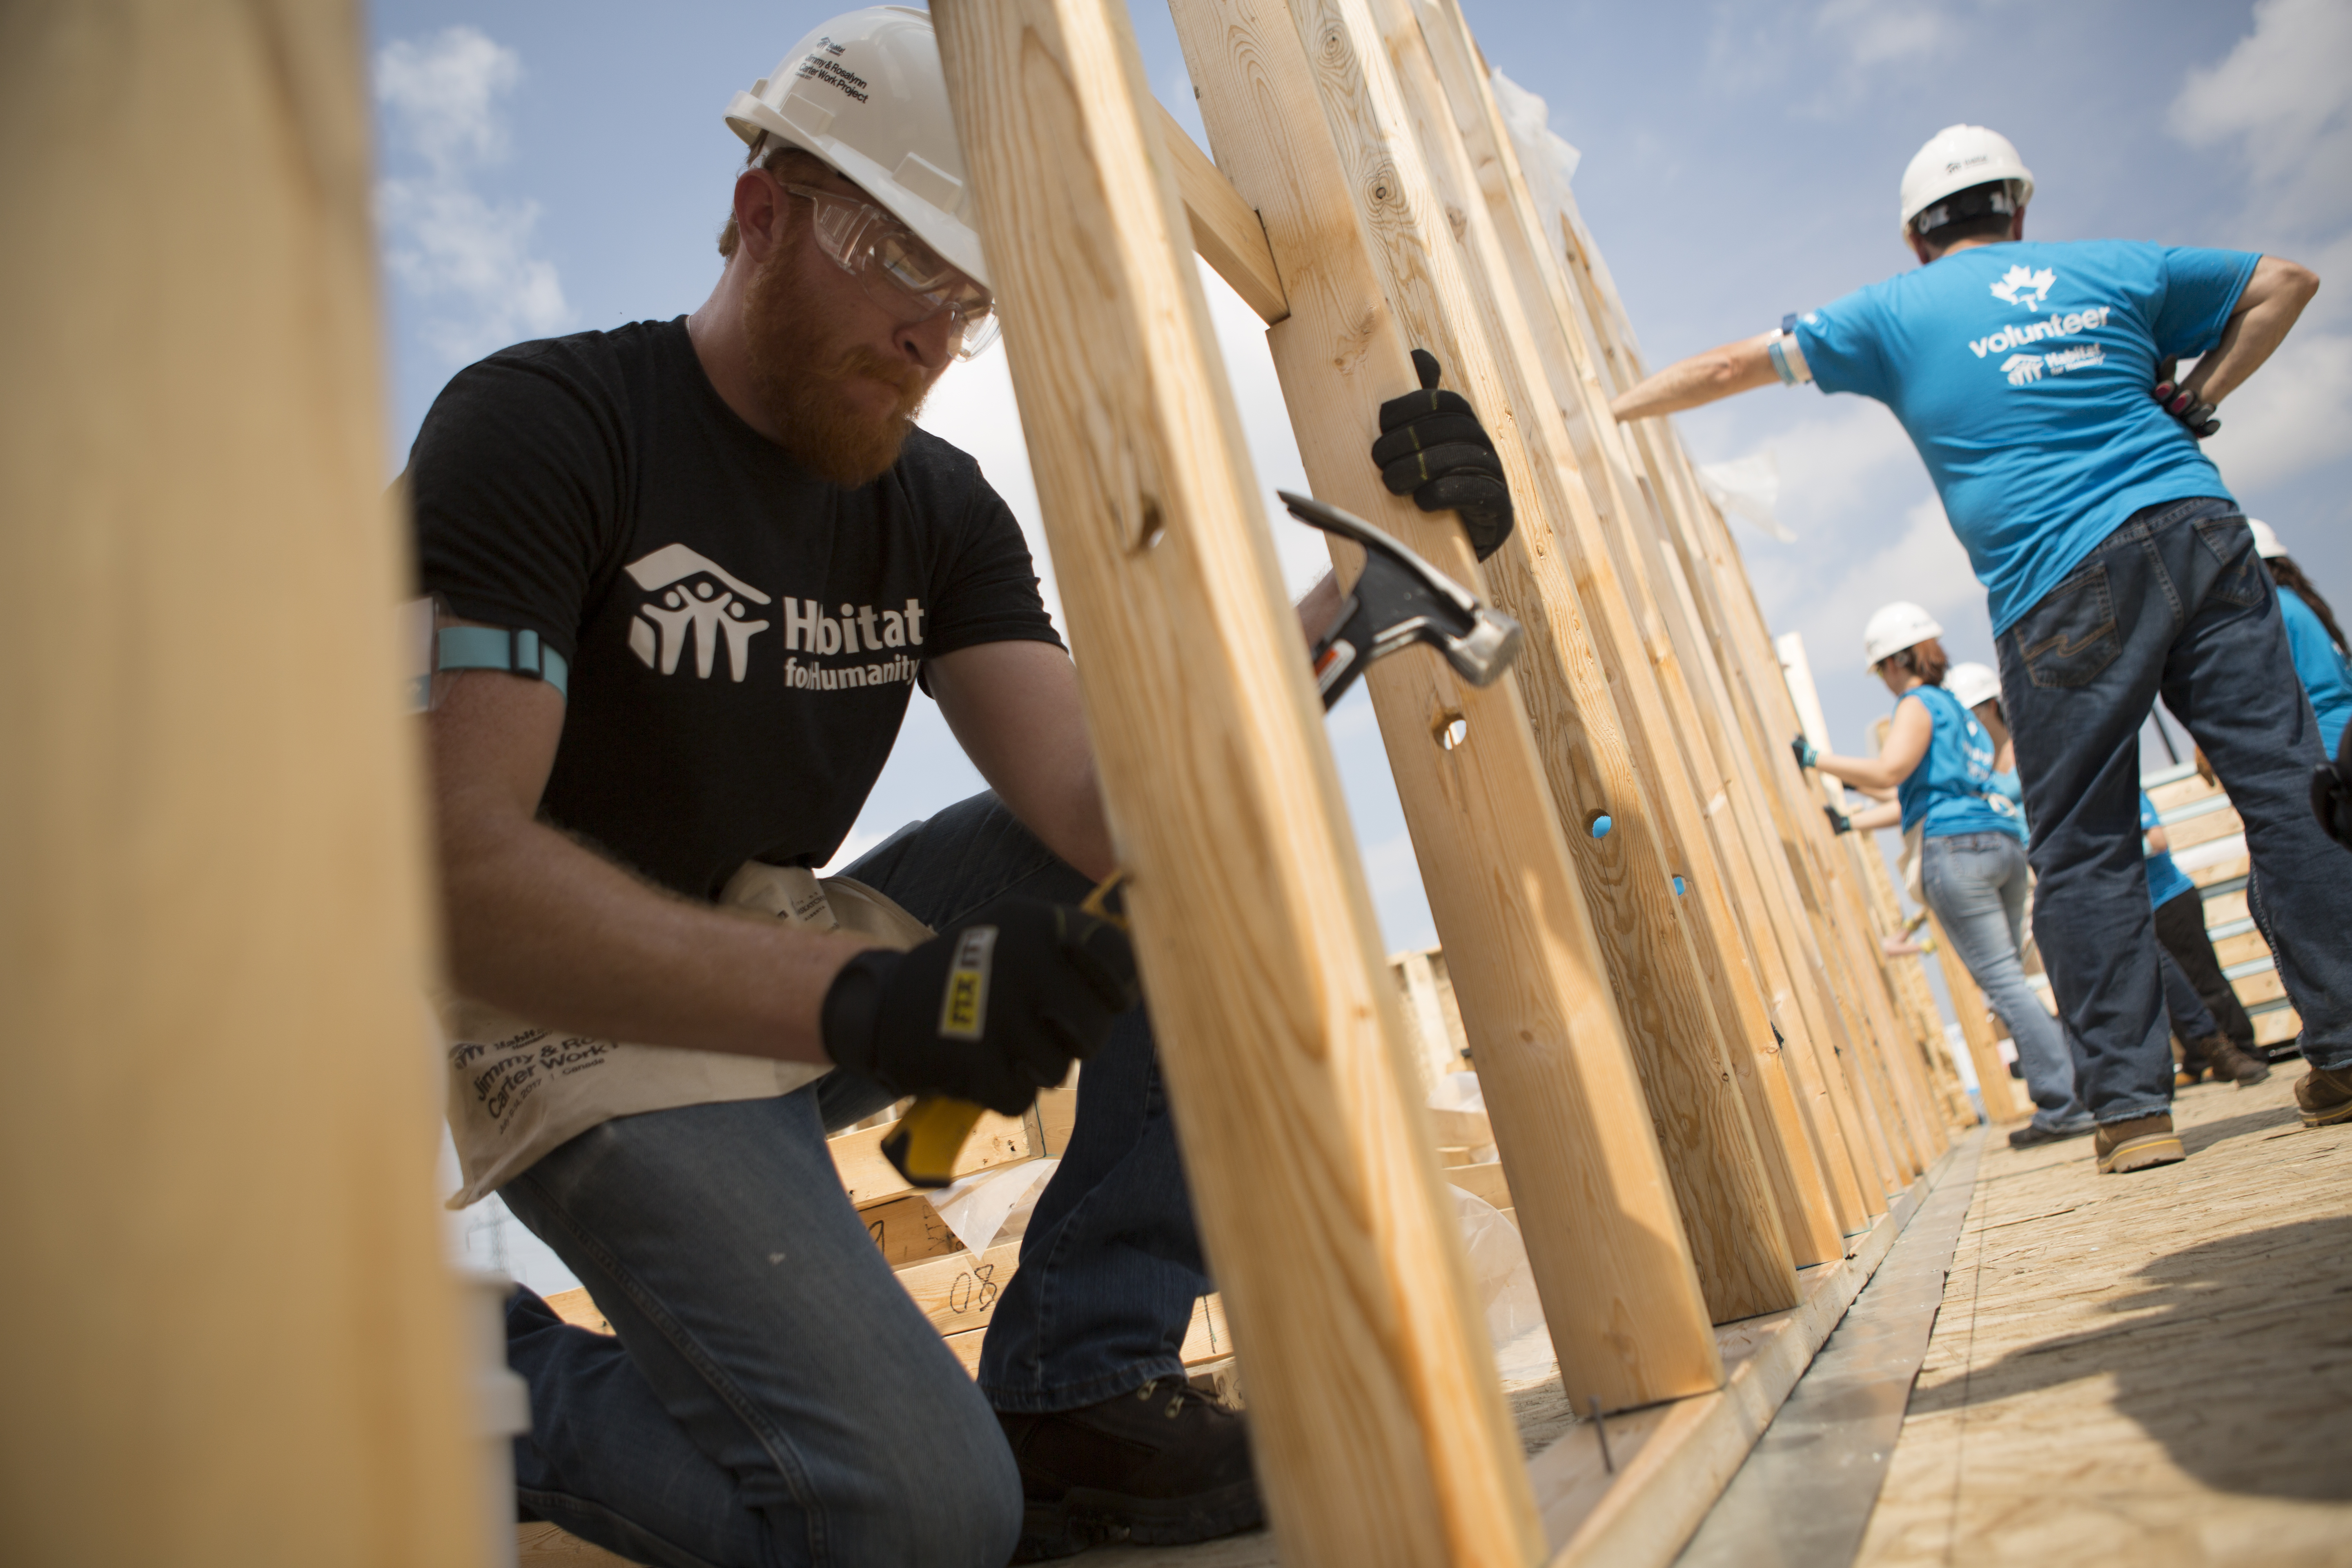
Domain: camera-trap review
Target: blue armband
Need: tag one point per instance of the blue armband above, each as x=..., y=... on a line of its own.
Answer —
x=1787, y=358
x=497, y=647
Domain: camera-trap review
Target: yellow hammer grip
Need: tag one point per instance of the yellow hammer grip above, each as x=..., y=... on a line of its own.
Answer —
x=929, y=1138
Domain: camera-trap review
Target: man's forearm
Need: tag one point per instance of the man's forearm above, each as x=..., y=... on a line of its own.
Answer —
x=2278, y=290
x=1703, y=378
x=541, y=928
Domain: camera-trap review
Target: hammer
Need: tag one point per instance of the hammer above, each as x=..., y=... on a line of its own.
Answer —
x=1399, y=600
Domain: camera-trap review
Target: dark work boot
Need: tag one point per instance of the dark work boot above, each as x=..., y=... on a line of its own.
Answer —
x=2324, y=1095
x=1160, y=1465
x=2231, y=1065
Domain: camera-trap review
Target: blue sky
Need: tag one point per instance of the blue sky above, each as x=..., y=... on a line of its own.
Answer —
x=552, y=168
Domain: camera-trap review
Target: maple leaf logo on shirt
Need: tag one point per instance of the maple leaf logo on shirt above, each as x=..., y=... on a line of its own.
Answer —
x=2020, y=287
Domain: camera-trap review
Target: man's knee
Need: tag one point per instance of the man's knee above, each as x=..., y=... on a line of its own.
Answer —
x=932, y=1481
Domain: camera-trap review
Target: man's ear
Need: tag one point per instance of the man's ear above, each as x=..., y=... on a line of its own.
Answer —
x=761, y=211
x=1919, y=249
x=2017, y=224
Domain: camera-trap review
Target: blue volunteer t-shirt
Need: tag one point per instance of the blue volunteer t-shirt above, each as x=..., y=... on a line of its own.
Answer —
x=2166, y=881
x=2320, y=664
x=2022, y=371
x=1952, y=789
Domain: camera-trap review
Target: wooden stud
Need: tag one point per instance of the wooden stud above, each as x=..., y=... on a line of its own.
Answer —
x=1808, y=1212
x=1602, y=1227
x=1380, y=1431
x=1225, y=231
x=1599, y=755
x=1690, y=1002
x=1373, y=172
x=222, y=1080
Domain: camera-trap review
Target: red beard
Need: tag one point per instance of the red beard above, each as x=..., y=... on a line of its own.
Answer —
x=802, y=372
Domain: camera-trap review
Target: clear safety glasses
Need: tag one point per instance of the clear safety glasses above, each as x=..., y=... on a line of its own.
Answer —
x=899, y=272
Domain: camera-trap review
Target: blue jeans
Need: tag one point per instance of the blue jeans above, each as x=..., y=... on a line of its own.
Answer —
x=2191, y=1023
x=774, y=1395
x=1975, y=883
x=2174, y=602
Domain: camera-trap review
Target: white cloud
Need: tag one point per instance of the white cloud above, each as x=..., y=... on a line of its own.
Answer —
x=2281, y=102
x=1924, y=563
x=2284, y=97
x=2291, y=416
x=1878, y=32
x=464, y=256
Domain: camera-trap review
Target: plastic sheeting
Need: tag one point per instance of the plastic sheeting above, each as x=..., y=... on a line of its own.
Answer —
x=1750, y=487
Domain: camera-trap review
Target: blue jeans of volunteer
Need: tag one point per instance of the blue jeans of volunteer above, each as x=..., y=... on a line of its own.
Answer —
x=774, y=1396
x=1975, y=884
x=2173, y=603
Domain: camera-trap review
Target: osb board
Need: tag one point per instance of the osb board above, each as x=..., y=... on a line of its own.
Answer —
x=2153, y=1369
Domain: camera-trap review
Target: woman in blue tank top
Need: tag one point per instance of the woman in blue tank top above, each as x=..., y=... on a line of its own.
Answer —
x=1939, y=762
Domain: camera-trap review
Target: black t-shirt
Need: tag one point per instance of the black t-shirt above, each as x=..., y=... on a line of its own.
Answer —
x=743, y=635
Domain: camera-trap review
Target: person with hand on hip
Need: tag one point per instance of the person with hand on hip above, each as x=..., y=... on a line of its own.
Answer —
x=2036, y=381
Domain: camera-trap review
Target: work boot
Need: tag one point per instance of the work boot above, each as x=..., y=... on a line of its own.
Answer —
x=2138, y=1144
x=2231, y=1065
x=2033, y=1132
x=1160, y=1465
x=2323, y=1095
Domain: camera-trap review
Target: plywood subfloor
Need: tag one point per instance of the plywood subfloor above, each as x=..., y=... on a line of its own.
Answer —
x=2152, y=1369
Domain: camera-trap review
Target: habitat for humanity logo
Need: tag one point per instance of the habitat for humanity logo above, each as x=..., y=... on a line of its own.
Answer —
x=699, y=601
x=2020, y=287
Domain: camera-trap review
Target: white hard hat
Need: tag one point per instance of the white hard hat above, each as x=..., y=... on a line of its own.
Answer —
x=1894, y=628
x=864, y=92
x=2266, y=540
x=1971, y=683
x=1956, y=157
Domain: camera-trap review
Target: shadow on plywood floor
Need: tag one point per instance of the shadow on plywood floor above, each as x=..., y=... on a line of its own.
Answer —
x=2236, y=1354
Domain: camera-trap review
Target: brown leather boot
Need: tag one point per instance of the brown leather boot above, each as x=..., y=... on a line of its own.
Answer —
x=2138, y=1144
x=2231, y=1065
x=2324, y=1095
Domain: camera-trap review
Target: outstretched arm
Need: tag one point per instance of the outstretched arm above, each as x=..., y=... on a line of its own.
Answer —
x=1717, y=373
x=1906, y=742
x=2273, y=297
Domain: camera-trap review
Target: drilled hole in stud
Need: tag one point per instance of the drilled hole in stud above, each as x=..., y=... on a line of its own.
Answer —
x=1154, y=529
x=1451, y=730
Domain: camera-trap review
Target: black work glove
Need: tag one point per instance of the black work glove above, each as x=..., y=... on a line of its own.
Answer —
x=2181, y=405
x=1839, y=821
x=992, y=1010
x=1432, y=448
x=1805, y=751
x=2331, y=792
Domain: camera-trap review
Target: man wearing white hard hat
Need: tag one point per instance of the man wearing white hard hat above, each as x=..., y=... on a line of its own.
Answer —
x=687, y=576
x=2037, y=382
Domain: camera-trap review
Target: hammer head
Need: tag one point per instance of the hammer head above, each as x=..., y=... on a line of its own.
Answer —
x=1402, y=599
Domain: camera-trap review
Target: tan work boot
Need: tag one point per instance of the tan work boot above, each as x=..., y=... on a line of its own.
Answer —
x=2231, y=1065
x=2138, y=1144
x=2323, y=1095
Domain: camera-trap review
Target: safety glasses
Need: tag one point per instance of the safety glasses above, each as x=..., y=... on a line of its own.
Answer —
x=897, y=270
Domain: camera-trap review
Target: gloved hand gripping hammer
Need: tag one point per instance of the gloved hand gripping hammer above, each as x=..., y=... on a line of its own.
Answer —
x=1399, y=600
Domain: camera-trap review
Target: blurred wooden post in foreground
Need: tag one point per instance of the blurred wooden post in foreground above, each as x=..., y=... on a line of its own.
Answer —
x=1380, y=1433
x=222, y=1087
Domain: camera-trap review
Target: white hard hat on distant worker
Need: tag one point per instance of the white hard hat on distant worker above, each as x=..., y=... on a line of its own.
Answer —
x=1960, y=158
x=866, y=93
x=2267, y=543
x=1972, y=683
x=1894, y=628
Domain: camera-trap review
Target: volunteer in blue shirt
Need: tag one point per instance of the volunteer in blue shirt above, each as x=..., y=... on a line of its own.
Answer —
x=2036, y=381
x=2313, y=635
x=2215, y=1033
x=1939, y=762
